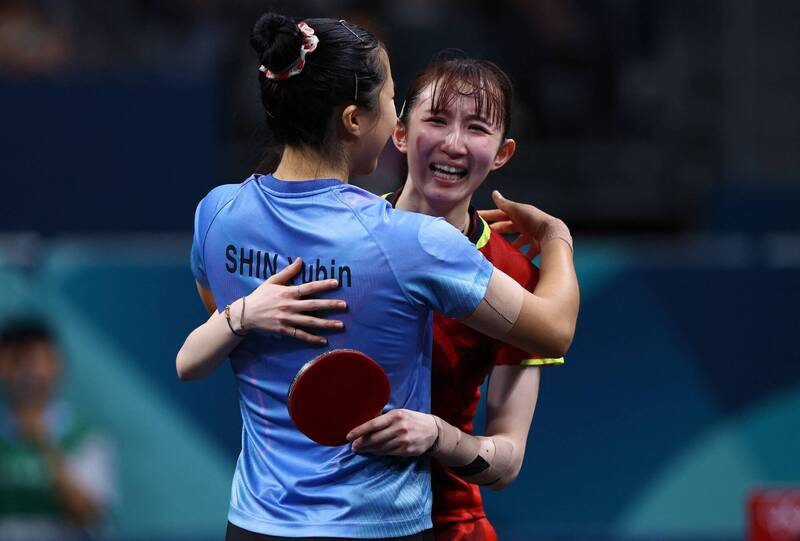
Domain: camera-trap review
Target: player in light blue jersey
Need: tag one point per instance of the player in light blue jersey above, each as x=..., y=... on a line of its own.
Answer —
x=327, y=91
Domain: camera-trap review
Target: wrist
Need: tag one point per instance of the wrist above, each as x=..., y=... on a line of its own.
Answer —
x=452, y=447
x=435, y=445
x=235, y=315
x=554, y=229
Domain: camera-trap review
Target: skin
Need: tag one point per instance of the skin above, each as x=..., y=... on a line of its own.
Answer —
x=30, y=375
x=546, y=323
x=456, y=137
x=273, y=306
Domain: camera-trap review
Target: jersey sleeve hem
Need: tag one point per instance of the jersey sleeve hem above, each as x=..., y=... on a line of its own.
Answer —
x=542, y=362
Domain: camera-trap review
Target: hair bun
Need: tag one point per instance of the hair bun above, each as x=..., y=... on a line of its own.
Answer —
x=277, y=41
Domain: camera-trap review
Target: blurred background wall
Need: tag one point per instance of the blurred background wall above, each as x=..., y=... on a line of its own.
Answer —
x=666, y=133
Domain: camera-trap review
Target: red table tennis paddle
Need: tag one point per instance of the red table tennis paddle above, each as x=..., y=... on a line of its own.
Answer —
x=334, y=393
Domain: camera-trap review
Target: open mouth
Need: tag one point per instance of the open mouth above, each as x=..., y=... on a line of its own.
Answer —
x=447, y=172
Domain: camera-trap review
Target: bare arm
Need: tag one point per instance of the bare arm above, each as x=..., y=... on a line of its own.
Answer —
x=542, y=322
x=271, y=307
x=510, y=403
x=493, y=460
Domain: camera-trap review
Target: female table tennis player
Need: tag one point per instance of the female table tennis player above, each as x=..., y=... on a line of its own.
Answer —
x=327, y=91
x=454, y=130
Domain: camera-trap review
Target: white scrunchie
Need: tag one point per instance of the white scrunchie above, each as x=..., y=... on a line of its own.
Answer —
x=310, y=42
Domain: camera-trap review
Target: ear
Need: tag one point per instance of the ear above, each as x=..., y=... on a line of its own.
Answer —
x=504, y=153
x=352, y=120
x=399, y=137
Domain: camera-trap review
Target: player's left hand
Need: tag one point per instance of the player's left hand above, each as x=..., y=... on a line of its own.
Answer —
x=399, y=432
x=500, y=221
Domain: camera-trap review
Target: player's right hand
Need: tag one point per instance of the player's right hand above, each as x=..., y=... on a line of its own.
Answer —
x=277, y=308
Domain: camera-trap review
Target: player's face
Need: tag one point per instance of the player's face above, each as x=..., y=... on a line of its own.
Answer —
x=450, y=152
x=382, y=123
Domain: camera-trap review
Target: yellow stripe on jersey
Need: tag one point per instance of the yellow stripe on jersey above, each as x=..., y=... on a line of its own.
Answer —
x=542, y=362
x=485, y=234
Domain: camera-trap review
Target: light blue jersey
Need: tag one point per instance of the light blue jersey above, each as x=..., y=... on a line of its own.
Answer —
x=393, y=267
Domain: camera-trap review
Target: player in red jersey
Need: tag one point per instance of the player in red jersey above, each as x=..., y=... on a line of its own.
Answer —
x=454, y=128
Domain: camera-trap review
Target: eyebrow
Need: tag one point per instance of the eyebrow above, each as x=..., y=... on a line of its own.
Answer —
x=478, y=117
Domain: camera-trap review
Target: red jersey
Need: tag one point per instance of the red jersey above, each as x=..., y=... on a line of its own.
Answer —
x=462, y=358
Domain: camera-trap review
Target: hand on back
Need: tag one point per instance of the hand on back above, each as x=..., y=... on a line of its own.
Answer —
x=278, y=308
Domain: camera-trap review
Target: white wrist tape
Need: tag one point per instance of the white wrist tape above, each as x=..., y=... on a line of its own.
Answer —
x=498, y=311
x=476, y=459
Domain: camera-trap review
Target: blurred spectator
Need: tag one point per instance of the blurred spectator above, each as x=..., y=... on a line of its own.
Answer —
x=56, y=478
x=30, y=44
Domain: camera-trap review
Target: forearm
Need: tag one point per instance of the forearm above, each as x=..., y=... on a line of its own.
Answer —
x=484, y=460
x=558, y=287
x=541, y=322
x=209, y=345
x=511, y=314
x=545, y=323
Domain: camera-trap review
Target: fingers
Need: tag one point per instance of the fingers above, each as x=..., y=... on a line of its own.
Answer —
x=501, y=202
x=304, y=290
x=390, y=447
x=286, y=274
x=301, y=320
x=505, y=227
x=314, y=305
x=300, y=334
x=520, y=241
x=373, y=440
x=493, y=215
x=378, y=423
x=512, y=209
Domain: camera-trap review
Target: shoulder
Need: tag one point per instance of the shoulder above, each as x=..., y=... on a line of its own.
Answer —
x=216, y=200
x=508, y=259
x=379, y=214
x=223, y=194
x=353, y=195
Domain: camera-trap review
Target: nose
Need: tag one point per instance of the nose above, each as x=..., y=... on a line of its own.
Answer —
x=453, y=143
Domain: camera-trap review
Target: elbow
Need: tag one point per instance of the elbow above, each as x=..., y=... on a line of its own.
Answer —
x=508, y=477
x=508, y=456
x=503, y=482
x=564, y=340
x=560, y=340
x=554, y=347
x=181, y=367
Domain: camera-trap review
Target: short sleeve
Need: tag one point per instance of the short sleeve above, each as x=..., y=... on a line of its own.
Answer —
x=207, y=210
x=437, y=267
x=196, y=261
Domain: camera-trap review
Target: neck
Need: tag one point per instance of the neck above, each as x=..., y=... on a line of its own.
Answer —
x=413, y=200
x=299, y=164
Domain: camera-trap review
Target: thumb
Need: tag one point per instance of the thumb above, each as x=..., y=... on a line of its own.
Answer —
x=286, y=274
x=501, y=202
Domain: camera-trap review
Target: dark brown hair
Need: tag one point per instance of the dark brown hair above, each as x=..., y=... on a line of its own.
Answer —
x=455, y=76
